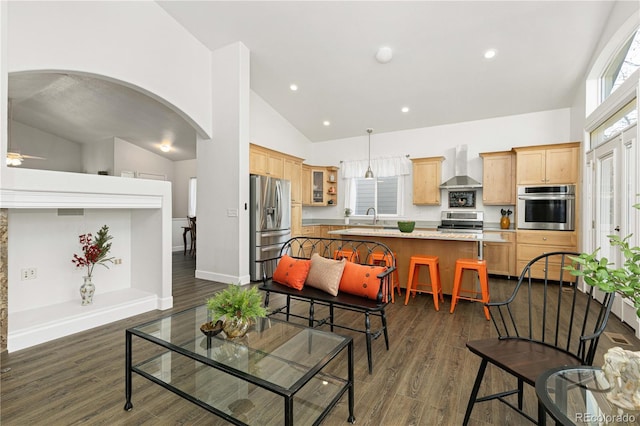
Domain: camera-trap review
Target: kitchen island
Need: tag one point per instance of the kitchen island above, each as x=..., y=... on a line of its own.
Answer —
x=448, y=246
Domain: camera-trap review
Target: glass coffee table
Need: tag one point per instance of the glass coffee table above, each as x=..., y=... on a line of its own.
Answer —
x=279, y=373
x=577, y=395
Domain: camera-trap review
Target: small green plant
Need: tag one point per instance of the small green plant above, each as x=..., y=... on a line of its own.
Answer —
x=237, y=302
x=599, y=272
x=347, y=212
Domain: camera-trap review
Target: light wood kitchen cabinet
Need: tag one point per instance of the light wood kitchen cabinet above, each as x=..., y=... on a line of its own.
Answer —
x=427, y=176
x=296, y=219
x=534, y=243
x=293, y=173
x=267, y=162
x=309, y=230
x=501, y=257
x=548, y=164
x=331, y=176
x=498, y=178
x=319, y=185
x=306, y=185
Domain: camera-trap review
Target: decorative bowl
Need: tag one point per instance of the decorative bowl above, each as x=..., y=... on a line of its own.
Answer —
x=406, y=226
x=211, y=329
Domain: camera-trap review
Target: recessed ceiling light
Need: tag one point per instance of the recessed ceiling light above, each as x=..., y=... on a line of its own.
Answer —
x=405, y=109
x=384, y=55
x=490, y=54
x=165, y=147
x=326, y=123
x=293, y=87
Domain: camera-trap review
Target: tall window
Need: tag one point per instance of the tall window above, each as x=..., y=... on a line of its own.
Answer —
x=614, y=86
x=626, y=117
x=381, y=194
x=623, y=65
x=191, y=210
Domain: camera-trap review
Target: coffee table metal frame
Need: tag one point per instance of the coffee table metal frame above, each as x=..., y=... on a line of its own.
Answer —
x=288, y=393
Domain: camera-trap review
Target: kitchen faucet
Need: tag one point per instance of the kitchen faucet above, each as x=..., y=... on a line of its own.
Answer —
x=375, y=217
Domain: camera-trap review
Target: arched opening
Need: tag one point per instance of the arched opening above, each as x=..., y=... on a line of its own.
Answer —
x=75, y=122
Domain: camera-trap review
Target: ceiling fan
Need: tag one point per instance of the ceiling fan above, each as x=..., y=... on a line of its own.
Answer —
x=14, y=158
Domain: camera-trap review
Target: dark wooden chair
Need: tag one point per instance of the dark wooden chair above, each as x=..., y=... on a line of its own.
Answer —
x=192, y=230
x=561, y=326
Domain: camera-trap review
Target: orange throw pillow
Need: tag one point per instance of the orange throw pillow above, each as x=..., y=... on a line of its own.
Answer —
x=292, y=272
x=361, y=280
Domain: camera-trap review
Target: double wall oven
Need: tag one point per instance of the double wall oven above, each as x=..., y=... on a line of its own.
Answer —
x=547, y=207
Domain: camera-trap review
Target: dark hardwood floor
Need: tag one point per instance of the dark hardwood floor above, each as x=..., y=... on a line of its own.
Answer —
x=424, y=379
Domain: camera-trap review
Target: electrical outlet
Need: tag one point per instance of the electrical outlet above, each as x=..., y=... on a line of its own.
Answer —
x=117, y=261
x=28, y=273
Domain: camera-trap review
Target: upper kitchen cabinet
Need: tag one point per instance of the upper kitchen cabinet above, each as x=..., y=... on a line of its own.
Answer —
x=306, y=185
x=266, y=162
x=548, y=164
x=331, y=179
x=293, y=173
x=498, y=178
x=427, y=176
x=319, y=185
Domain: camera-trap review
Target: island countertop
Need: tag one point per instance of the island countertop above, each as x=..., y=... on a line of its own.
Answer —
x=419, y=234
x=448, y=246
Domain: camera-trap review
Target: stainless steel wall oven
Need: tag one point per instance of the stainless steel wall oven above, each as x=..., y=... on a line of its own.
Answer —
x=547, y=207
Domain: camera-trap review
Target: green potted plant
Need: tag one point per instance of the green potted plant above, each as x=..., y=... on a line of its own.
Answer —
x=236, y=308
x=347, y=213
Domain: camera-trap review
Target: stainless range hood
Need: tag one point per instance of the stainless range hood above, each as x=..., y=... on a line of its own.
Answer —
x=461, y=180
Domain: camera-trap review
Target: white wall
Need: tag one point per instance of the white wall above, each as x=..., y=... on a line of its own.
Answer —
x=496, y=134
x=98, y=157
x=130, y=157
x=272, y=130
x=58, y=153
x=52, y=241
x=135, y=42
x=182, y=172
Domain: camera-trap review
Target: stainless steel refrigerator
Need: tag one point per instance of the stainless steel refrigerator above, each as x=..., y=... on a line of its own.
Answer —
x=270, y=225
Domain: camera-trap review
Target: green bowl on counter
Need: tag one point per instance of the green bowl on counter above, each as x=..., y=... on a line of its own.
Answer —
x=406, y=226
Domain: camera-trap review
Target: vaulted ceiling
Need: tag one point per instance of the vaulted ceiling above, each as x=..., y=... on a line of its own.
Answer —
x=328, y=50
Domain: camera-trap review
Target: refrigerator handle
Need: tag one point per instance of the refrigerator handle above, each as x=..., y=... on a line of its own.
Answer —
x=279, y=203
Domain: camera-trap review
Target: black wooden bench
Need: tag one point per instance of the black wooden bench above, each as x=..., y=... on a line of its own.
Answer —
x=304, y=248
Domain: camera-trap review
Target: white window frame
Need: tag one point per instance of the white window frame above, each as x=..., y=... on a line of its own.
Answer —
x=351, y=203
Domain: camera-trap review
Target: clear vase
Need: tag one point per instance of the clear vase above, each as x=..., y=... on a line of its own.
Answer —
x=86, y=291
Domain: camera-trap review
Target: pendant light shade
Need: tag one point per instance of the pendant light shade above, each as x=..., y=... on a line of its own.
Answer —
x=369, y=173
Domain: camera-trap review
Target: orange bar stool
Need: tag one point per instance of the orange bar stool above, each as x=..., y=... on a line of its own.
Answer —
x=381, y=259
x=480, y=266
x=413, y=286
x=350, y=255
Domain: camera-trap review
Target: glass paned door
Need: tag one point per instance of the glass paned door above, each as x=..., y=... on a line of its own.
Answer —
x=607, y=199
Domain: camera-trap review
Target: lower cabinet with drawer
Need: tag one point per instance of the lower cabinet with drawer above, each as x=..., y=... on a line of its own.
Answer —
x=534, y=243
x=501, y=257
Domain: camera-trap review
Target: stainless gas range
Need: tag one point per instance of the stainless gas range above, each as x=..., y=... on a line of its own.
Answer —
x=461, y=221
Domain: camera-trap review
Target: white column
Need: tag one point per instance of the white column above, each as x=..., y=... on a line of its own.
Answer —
x=223, y=173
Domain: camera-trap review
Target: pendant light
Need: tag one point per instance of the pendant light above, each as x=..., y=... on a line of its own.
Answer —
x=369, y=174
